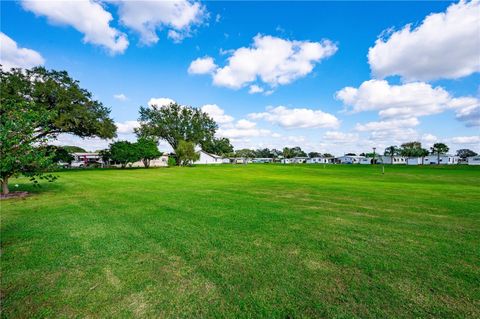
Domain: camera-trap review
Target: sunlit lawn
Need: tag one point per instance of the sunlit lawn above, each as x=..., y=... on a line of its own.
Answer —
x=235, y=241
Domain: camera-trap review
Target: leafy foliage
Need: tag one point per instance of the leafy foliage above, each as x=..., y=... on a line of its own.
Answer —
x=147, y=150
x=124, y=152
x=37, y=105
x=73, y=149
x=293, y=152
x=174, y=123
x=186, y=154
x=219, y=146
x=465, y=152
x=439, y=148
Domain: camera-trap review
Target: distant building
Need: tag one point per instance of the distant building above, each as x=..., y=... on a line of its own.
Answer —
x=349, y=159
x=161, y=161
x=287, y=160
x=207, y=158
x=444, y=160
x=319, y=160
x=299, y=160
x=473, y=160
x=262, y=160
x=396, y=159
x=366, y=161
x=415, y=161
x=85, y=160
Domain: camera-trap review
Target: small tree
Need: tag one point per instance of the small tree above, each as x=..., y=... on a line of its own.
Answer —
x=391, y=151
x=185, y=153
x=59, y=154
x=439, y=148
x=147, y=150
x=464, y=153
x=124, y=152
x=314, y=154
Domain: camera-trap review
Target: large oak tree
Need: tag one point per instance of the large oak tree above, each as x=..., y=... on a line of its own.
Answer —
x=36, y=106
x=174, y=123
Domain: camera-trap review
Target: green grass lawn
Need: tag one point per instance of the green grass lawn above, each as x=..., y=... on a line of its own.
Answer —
x=252, y=241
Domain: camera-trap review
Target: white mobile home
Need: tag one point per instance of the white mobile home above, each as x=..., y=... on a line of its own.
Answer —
x=86, y=159
x=299, y=160
x=262, y=160
x=349, y=159
x=396, y=160
x=474, y=160
x=444, y=160
x=366, y=161
x=207, y=158
x=415, y=161
x=317, y=160
x=287, y=161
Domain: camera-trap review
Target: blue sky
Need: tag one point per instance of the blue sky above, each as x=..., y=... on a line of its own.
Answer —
x=321, y=88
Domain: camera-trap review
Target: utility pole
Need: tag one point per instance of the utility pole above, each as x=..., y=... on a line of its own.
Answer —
x=373, y=161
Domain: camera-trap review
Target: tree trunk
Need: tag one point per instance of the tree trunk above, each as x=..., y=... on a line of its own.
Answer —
x=146, y=162
x=5, y=189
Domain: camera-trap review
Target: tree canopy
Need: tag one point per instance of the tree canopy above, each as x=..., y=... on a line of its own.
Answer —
x=124, y=152
x=186, y=154
x=37, y=105
x=218, y=146
x=147, y=150
x=174, y=123
x=438, y=149
x=465, y=152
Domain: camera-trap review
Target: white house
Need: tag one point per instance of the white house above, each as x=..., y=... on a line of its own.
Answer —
x=350, y=159
x=396, y=160
x=299, y=160
x=262, y=160
x=207, y=158
x=161, y=161
x=444, y=160
x=287, y=160
x=415, y=161
x=366, y=161
x=318, y=160
x=474, y=160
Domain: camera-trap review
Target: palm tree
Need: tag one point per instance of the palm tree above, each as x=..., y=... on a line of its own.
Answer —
x=439, y=148
x=391, y=151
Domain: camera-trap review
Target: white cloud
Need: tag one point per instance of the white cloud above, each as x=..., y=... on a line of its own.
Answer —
x=340, y=137
x=429, y=138
x=255, y=89
x=217, y=113
x=121, y=97
x=388, y=125
x=297, y=117
x=406, y=100
x=126, y=127
x=472, y=140
x=470, y=113
x=160, y=101
x=145, y=17
x=12, y=56
x=87, y=16
x=245, y=124
x=202, y=66
x=242, y=129
x=444, y=45
x=272, y=60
